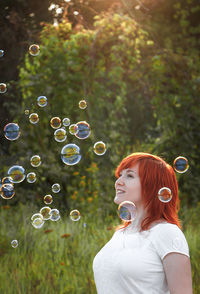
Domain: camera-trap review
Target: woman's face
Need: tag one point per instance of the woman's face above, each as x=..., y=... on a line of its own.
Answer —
x=128, y=187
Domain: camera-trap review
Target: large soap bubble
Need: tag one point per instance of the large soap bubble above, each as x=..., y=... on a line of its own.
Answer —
x=11, y=131
x=164, y=194
x=7, y=191
x=127, y=211
x=16, y=174
x=83, y=130
x=70, y=154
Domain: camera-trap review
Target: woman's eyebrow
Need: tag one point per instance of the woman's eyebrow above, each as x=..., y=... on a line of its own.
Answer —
x=130, y=170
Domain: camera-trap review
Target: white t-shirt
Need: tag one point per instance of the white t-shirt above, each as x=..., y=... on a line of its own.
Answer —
x=131, y=262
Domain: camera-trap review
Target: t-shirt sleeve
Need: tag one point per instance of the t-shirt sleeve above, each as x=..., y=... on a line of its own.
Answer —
x=169, y=238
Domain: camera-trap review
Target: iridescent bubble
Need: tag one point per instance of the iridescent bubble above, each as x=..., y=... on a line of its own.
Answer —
x=83, y=130
x=55, y=122
x=48, y=199
x=82, y=104
x=11, y=131
x=70, y=154
x=36, y=215
x=55, y=188
x=73, y=129
x=42, y=101
x=26, y=112
x=60, y=135
x=34, y=49
x=1, y=53
x=38, y=223
x=55, y=215
x=164, y=194
x=7, y=191
x=45, y=212
x=6, y=180
x=16, y=174
x=99, y=148
x=66, y=122
x=31, y=177
x=34, y=118
x=35, y=160
x=14, y=243
x=181, y=164
x=75, y=215
x=3, y=88
x=127, y=211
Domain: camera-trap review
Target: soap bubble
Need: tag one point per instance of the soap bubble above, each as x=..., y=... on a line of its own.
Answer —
x=164, y=194
x=55, y=188
x=34, y=118
x=38, y=223
x=42, y=101
x=34, y=50
x=70, y=154
x=11, y=131
x=66, y=122
x=48, y=199
x=83, y=130
x=7, y=191
x=60, y=135
x=75, y=215
x=55, y=215
x=45, y=212
x=31, y=177
x=82, y=104
x=99, y=148
x=3, y=88
x=16, y=174
x=26, y=112
x=127, y=211
x=55, y=122
x=181, y=164
x=73, y=129
x=6, y=180
x=14, y=243
x=1, y=53
x=36, y=215
x=35, y=160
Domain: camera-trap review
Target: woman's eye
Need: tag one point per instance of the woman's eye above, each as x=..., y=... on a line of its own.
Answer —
x=130, y=176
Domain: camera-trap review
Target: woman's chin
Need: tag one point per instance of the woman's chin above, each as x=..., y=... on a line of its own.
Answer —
x=117, y=200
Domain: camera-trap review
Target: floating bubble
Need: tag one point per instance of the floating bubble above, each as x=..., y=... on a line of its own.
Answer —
x=60, y=135
x=14, y=243
x=164, y=194
x=6, y=180
x=34, y=118
x=1, y=53
x=31, y=177
x=48, y=199
x=73, y=129
x=36, y=215
x=26, y=112
x=35, y=160
x=70, y=154
x=55, y=188
x=127, y=211
x=82, y=104
x=3, y=88
x=16, y=174
x=11, y=131
x=75, y=215
x=99, y=148
x=181, y=164
x=38, y=223
x=7, y=191
x=42, y=101
x=55, y=215
x=45, y=212
x=66, y=122
x=55, y=122
x=83, y=130
x=34, y=49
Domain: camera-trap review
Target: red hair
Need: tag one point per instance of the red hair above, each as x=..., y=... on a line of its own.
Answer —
x=154, y=174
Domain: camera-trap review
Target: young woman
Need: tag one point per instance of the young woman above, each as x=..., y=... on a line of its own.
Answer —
x=150, y=254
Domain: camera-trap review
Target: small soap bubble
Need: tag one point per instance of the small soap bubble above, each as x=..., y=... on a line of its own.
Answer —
x=164, y=194
x=45, y=212
x=31, y=177
x=70, y=154
x=127, y=211
x=55, y=122
x=82, y=104
x=16, y=174
x=55, y=215
x=48, y=199
x=181, y=164
x=83, y=130
x=12, y=131
x=60, y=135
x=1, y=53
x=26, y=112
x=6, y=180
x=55, y=188
x=34, y=49
x=35, y=160
x=36, y=215
x=14, y=243
x=7, y=191
x=34, y=118
x=66, y=122
x=99, y=148
x=73, y=129
x=38, y=223
x=3, y=88
x=75, y=215
x=42, y=101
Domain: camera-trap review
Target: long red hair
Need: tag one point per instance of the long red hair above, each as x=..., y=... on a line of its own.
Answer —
x=154, y=174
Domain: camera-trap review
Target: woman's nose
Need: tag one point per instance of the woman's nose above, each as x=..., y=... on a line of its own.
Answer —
x=119, y=181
